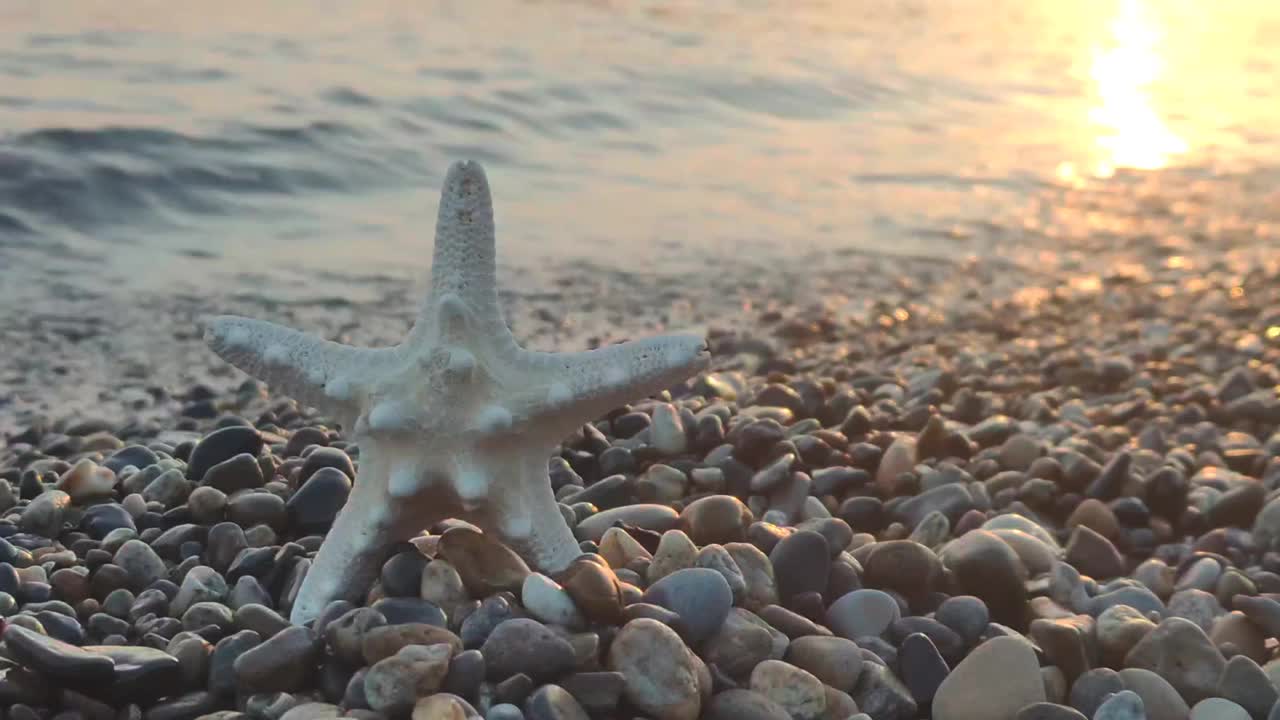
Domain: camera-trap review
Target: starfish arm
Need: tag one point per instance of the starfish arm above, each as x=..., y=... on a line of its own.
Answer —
x=313, y=371
x=524, y=514
x=463, y=278
x=572, y=388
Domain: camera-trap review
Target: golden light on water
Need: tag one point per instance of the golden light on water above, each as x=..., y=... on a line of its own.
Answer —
x=1124, y=71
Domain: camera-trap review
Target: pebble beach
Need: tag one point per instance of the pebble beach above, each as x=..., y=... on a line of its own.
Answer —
x=1037, y=488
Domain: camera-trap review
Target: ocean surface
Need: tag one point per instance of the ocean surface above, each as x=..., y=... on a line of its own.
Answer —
x=296, y=148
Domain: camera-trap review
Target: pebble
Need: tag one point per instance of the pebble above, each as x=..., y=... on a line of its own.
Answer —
x=902, y=565
x=923, y=668
x=383, y=641
x=796, y=691
x=595, y=590
x=44, y=516
x=1124, y=705
x=201, y=584
x=801, y=563
x=56, y=659
x=1094, y=555
x=743, y=704
x=521, y=645
x=552, y=702
x=314, y=506
x=675, y=552
x=283, y=663
x=662, y=678
x=406, y=610
x=1180, y=652
x=1160, y=700
x=222, y=444
x=393, y=685
x=965, y=614
x=701, y=598
x=649, y=516
x=1218, y=709
x=1049, y=711
x=1004, y=662
x=1246, y=684
x=985, y=566
x=441, y=585
x=742, y=642
x=142, y=674
x=141, y=565
x=546, y=600
x=862, y=613
x=757, y=574
x=485, y=565
x=239, y=472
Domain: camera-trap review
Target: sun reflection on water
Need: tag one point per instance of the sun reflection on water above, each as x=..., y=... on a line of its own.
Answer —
x=1134, y=135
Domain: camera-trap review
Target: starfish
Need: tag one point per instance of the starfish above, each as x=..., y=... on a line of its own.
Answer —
x=457, y=421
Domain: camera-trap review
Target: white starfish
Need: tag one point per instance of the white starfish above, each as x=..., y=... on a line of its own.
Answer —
x=457, y=420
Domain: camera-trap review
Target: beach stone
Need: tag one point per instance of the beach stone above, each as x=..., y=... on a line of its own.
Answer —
x=141, y=564
x=314, y=506
x=248, y=509
x=836, y=661
x=100, y=520
x=798, y=692
x=220, y=445
x=1119, y=628
x=648, y=516
x=862, y=613
x=493, y=611
x=662, y=678
x=393, y=685
x=598, y=692
x=1198, y=606
x=309, y=711
x=44, y=515
x=1036, y=556
x=675, y=552
x=442, y=585
x=898, y=459
x=208, y=505
x=552, y=702
x=965, y=614
x=248, y=591
x=326, y=457
x=619, y=549
x=401, y=574
x=197, y=704
x=201, y=584
x=952, y=500
x=1180, y=652
x=410, y=610
x=661, y=484
x=1218, y=709
x=1068, y=642
x=222, y=674
x=715, y=557
x=486, y=565
x=596, y=591
x=902, y=565
x=1159, y=699
x=1124, y=705
x=757, y=574
x=203, y=614
x=701, y=598
x=1090, y=689
x=1246, y=684
x=55, y=659
x=382, y=641
x=743, y=704
x=547, y=601
x=1003, y=662
x=170, y=489
x=986, y=567
x=716, y=519
x=1049, y=711
x=880, y=694
x=1237, y=629
x=139, y=456
x=87, y=481
x=260, y=619
x=922, y=667
x=667, y=431
x=239, y=472
x=282, y=663
x=521, y=645
x=1093, y=554
x=142, y=674
x=801, y=563
x=742, y=642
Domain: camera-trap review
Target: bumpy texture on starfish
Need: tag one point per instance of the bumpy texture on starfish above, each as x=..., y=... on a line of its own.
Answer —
x=457, y=421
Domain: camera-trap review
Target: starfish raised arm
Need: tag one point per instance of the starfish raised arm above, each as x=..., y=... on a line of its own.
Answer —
x=314, y=371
